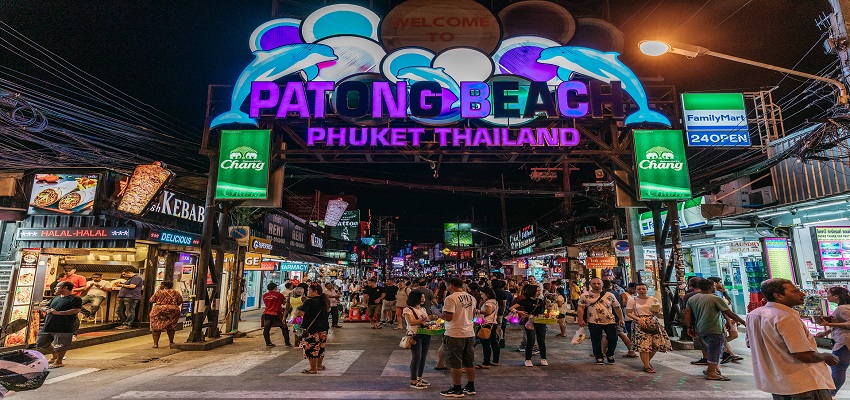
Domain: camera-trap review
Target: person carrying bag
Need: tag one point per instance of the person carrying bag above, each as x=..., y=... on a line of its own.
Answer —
x=489, y=331
x=416, y=316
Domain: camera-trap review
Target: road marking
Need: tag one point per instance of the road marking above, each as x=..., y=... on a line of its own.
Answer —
x=233, y=366
x=336, y=361
x=409, y=394
x=399, y=365
x=71, y=375
x=683, y=364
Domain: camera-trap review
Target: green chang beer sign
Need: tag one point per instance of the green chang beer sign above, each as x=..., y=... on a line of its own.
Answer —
x=662, y=169
x=243, y=165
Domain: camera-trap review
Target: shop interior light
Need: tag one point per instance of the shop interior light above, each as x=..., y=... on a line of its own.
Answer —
x=711, y=243
x=833, y=203
x=813, y=223
x=774, y=214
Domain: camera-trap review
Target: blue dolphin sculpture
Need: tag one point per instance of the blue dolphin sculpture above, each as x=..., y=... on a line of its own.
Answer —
x=439, y=75
x=604, y=66
x=269, y=66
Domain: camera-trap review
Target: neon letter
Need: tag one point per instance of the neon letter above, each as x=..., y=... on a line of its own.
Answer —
x=293, y=90
x=381, y=95
x=352, y=93
x=320, y=88
x=472, y=105
x=426, y=99
x=257, y=102
x=564, y=108
x=539, y=90
x=314, y=135
x=501, y=100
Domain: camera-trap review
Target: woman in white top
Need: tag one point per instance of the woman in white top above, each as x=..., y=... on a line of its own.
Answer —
x=401, y=301
x=416, y=316
x=650, y=336
x=489, y=312
x=839, y=326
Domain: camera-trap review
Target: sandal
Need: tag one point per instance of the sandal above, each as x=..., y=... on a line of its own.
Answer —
x=481, y=366
x=323, y=368
x=441, y=368
x=54, y=366
x=630, y=355
x=307, y=371
x=649, y=370
x=719, y=378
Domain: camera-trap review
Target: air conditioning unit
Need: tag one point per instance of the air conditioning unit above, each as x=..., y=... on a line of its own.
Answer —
x=758, y=197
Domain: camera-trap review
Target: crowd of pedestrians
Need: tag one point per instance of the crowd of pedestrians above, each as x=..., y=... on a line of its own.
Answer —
x=785, y=359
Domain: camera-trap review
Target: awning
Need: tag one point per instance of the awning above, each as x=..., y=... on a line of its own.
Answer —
x=295, y=256
x=105, y=267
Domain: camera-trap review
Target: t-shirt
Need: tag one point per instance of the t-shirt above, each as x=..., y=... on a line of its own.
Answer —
x=95, y=291
x=629, y=298
x=374, y=293
x=391, y=291
x=500, y=300
x=79, y=282
x=640, y=306
x=273, y=302
x=62, y=323
x=134, y=293
x=509, y=297
x=331, y=294
x=707, y=310
x=602, y=312
x=314, y=309
x=533, y=306
x=490, y=318
x=419, y=312
x=774, y=333
x=462, y=306
x=840, y=335
x=401, y=297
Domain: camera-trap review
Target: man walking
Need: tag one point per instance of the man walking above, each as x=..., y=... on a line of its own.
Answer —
x=54, y=338
x=786, y=360
x=94, y=293
x=703, y=317
x=603, y=311
x=388, y=310
x=129, y=296
x=273, y=314
x=373, y=296
x=458, y=312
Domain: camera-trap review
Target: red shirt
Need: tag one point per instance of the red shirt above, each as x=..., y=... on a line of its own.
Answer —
x=273, y=302
x=79, y=281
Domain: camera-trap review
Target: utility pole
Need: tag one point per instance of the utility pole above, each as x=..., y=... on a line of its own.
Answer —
x=838, y=41
x=504, y=210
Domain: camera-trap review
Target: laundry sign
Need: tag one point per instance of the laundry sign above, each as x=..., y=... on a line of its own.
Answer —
x=749, y=246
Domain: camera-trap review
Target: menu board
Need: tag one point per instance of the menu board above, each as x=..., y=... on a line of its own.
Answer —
x=833, y=248
x=22, y=296
x=63, y=194
x=778, y=258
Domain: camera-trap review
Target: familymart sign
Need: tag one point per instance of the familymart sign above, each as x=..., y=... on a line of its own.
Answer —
x=715, y=119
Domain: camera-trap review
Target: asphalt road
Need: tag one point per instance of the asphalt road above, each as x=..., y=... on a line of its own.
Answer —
x=368, y=364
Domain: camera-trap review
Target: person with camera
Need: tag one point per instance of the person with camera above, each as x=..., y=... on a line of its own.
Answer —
x=54, y=338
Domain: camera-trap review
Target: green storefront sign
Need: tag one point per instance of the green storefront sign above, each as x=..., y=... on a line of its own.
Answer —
x=662, y=168
x=243, y=165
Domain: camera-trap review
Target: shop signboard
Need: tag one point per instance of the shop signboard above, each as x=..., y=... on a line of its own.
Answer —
x=600, y=262
x=690, y=216
x=715, y=119
x=435, y=62
x=457, y=234
x=522, y=239
x=621, y=248
x=86, y=233
x=744, y=247
x=23, y=295
x=243, y=165
x=398, y=262
x=147, y=180
x=63, y=194
x=348, y=227
x=293, y=266
x=778, y=256
x=179, y=206
x=662, y=167
x=174, y=237
x=259, y=245
x=833, y=251
x=242, y=234
x=254, y=262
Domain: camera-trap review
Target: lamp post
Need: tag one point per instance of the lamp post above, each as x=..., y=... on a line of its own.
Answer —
x=501, y=244
x=657, y=47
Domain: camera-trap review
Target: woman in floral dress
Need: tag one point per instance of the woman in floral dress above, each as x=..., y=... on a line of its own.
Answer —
x=165, y=312
x=643, y=310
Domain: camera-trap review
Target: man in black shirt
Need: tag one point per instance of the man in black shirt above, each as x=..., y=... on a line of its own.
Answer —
x=373, y=297
x=54, y=338
x=390, y=291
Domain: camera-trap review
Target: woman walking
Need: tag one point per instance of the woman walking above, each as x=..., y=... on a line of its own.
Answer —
x=416, y=316
x=488, y=313
x=650, y=336
x=314, y=320
x=533, y=305
x=561, y=302
x=839, y=325
x=296, y=299
x=165, y=312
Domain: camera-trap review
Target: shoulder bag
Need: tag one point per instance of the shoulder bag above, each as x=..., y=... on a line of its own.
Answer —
x=601, y=295
x=407, y=340
x=653, y=327
x=304, y=332
x=486, y=329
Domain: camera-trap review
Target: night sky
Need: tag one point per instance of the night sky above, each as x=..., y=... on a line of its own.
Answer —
x=165, y=53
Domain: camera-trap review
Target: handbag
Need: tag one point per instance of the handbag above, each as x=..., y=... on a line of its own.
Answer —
x=304, y=332
x=485, y=331
x=653, y=326
x=406, y=342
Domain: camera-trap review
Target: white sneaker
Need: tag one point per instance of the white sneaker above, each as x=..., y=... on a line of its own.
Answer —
x=528, y=363
x=544, y=363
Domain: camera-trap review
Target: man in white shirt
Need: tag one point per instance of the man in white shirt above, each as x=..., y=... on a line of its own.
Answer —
x=458, y=312
x=786, y=362
x=94, y=294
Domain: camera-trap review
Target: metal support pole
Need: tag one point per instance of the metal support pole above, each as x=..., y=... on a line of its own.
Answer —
x=199, y=306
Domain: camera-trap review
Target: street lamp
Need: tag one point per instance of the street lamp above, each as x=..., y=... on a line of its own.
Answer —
x=487, y=234
x=657, y=47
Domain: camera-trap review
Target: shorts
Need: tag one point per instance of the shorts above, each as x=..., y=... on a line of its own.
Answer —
x=459, y=352
x=714, y=345
x=314, y=344
x=373, y=312
x=389, y=306
x=61, y=341
x=274, y=319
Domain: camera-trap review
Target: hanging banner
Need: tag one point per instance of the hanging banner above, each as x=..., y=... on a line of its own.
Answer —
x=348, y=227
x=600, y=262
x=662, y=168
x=243, y=165
x=715, y=119
x=457, y=234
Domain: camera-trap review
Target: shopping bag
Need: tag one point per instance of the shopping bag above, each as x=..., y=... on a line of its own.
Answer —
x=579, y=336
